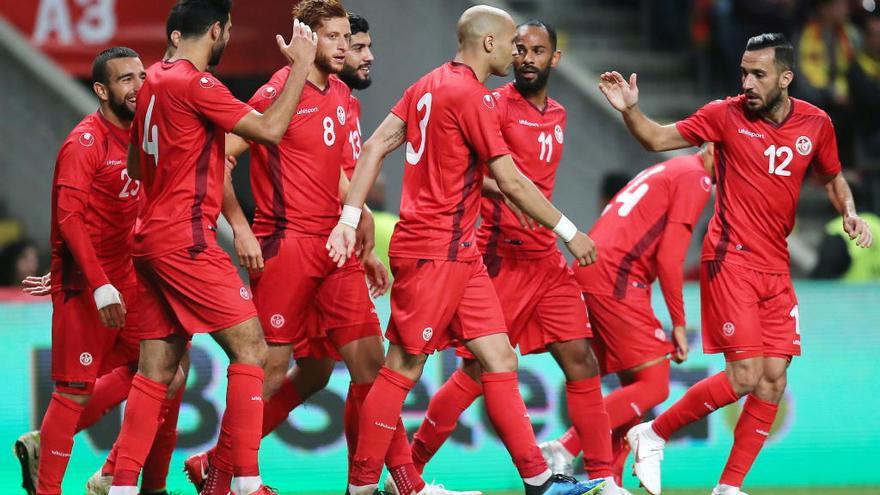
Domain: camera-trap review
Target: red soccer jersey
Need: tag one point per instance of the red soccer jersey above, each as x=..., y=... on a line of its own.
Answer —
x=759, y=169
x=351, y=150
x=630, y=227
x=179, y=127
x=535, y=139
x=452, y=128
x=92, y=160
x=296, y=183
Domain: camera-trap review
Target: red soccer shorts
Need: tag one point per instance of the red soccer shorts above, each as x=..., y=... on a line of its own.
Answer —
x=186, y=295
x=627, y=332
x=439, y=303
x=82, y=348
x=304, y=299
x=541, y=301
x=748, y=312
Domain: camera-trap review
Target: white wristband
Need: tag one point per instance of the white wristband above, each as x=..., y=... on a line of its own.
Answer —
x=565, y=229
x=106, y=295
x=351, y=216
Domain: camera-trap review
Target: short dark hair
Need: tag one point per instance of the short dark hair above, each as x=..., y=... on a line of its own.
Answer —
x=783, y=50
x=172, y=23
x=551, y=31
x=99, y=65
x=314, y=12
x=195, y=17
x=614, y=182
x=358, y=24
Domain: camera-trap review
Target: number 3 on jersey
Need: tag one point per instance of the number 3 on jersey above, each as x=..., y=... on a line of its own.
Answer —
x=413, y=156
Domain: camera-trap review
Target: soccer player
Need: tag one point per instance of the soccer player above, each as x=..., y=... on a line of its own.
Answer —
x=441, y=290
x=764, y=142
x=542, y=303
x=189, y=285
x=356, y=74
x=644, y=232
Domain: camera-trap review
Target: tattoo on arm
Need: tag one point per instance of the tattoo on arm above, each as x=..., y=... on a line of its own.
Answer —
x=396, y=138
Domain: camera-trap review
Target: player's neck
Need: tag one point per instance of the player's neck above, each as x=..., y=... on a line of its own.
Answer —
x=537, y=98
x=318, y=77
x=779, y=112
x=194, y=54
x=113, y=118
x=476, y=63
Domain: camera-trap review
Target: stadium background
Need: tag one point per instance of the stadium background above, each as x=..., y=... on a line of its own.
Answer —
x=682, y=52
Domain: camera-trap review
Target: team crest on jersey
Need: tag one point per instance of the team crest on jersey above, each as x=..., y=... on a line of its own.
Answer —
x=206, y=82
x=558, y=131
x=86, y=359
x=277, y=321
x=659, y=334
x=340, y=115
x=243, y=292
x=489, y=101
x=269, y=92
x=427, y=333
x=706, y=184
x=87, y=139
x=728, y=328
x=803, y=145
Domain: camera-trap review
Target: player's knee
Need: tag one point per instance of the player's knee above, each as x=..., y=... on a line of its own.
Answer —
x=74, y=392
x=502, y=360
x=254, y=353
x=771, y=389
x=744, y=375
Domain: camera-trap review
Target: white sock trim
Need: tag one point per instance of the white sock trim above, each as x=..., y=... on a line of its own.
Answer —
x=537, y=480
x=362, y=490
x=246, y=485
x=123, y=490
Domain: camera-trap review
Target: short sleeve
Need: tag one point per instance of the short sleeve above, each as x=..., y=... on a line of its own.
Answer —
x=266, y=95
x=704, y=125
x=401, y=108
x=213, y=100
x=78, y=161
x=692, y=192
x=827, y=159
x=480, y=123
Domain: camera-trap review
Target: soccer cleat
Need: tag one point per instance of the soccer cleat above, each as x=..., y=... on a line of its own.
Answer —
x=196, y=468
x=727, y=490
x=429, y=489
x=264, y=490
x=99, y=484
x=647, y=450
x=566, y=485
x=559, y=460
x=27, y=450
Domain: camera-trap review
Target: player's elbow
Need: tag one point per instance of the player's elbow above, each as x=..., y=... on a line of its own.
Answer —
x=511, y=186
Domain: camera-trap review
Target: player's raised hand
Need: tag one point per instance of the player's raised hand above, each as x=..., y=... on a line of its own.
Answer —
x=377, y=275
x=340, y=244
x=621, y=94
x=857, y=229
x=248, y=250
x=680, y=341
x=37, y=286
x=303, y=44
x=583, y=248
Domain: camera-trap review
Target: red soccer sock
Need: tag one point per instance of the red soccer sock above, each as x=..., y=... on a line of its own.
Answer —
x=447, y=405
x=156, y=465
x=56, y=442
x=139, y=427
x=357, y=393
x=110, y=464
x=279, y=406
x=649, y=388
x=586, y=409
x=244, y=408
x=406, y=478
x=380, y=418
x=699, y=401
x=508, y=414
x=620, y=450
x=751, y=431
x=110, y=390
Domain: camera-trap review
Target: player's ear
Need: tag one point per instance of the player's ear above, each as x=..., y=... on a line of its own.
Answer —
x=557, y=55
x=101, y=91
x=216, y=31
x=786, y=78
x=489, y=43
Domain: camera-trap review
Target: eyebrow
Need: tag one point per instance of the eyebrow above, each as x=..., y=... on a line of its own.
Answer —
x=123, y=76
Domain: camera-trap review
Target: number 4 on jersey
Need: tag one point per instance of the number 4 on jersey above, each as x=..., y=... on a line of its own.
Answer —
x=150, y=144
x=634, y=192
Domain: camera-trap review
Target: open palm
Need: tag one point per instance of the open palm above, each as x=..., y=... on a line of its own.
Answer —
x=621, y=94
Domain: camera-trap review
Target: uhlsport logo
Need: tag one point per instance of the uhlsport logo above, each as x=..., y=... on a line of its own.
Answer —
x=277, y=321
x=206, y=82
x=87, y=139
x=427, y=333
x=243, y=292
x=86, y=359
x=803, y=145
x=340, y=115
x=269, y=92
x=728, y=328
x=558, y=131
x=706, y=184
x=489, y=101
x=659, y=334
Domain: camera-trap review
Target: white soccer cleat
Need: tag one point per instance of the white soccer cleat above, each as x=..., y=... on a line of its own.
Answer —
x=429, y=489
x=99, y=484
x=611, y=488
x=559, y=460
x=722, y=489
x=647, y=450
x=27, y=450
